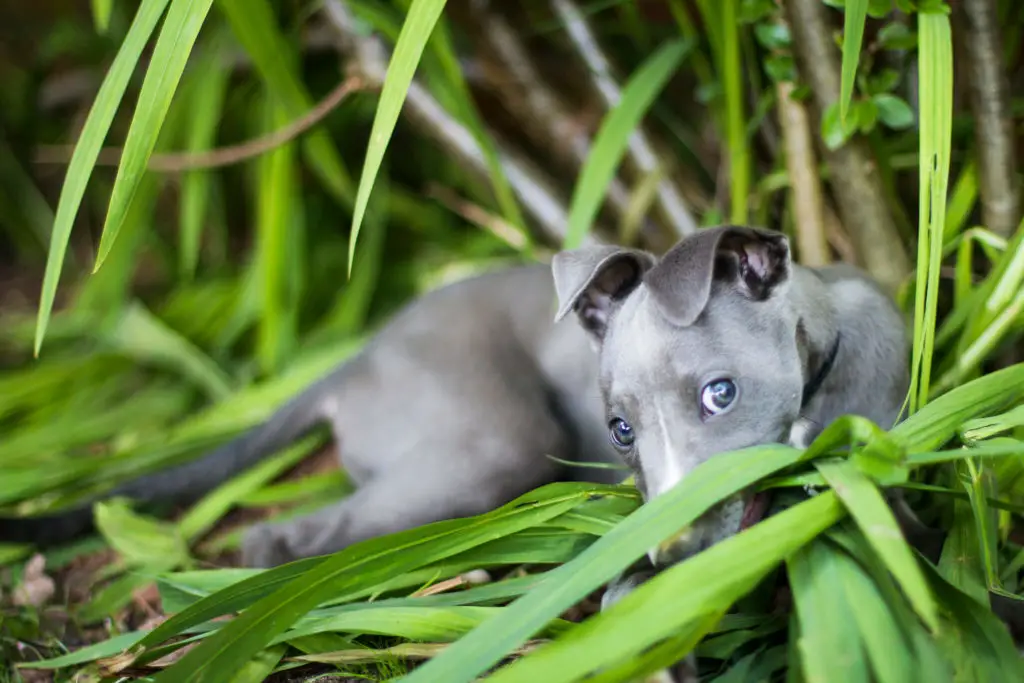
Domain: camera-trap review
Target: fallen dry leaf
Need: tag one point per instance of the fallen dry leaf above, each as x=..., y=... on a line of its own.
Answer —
x=36, y=588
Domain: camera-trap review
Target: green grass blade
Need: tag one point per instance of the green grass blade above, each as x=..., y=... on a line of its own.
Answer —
x=416, y=30
x=141, y=335
x=276, y=243
x=206, y=105
x=612, y=137
x=101, y=10
x=940, y=420
x=273, y=55
x=177, y=36
x=935, y=73
x=869, y=509
x=830, y=645
x=362, y=565
x=736, y=127
x=855, y=15
x=612, y=553
x=83, y=159
x=675, y=597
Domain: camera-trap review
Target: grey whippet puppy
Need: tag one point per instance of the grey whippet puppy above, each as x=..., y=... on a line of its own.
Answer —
x=452, y=408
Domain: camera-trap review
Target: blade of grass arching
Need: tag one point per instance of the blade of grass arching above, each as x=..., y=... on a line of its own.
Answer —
x=142, y=336
x=276, y=204
x=735, y=95
x=87, y=149
x=887, y=648
x=206, y=103
x=601, y=562
x=177, y=35
x=939, y=421
x=830, y=644
x=855, y=14
x=935, y=75
x=875, y=519
x=707, y=583
x=612, y=137
x=274, y=56
x=357, y=567
x=419, y=24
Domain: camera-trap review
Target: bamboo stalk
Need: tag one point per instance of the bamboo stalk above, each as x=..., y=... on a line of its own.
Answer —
x=988, y=85
x=855, y=180
x=804, y=182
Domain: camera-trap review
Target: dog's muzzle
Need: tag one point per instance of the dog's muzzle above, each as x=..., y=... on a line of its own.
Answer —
x=719, y=523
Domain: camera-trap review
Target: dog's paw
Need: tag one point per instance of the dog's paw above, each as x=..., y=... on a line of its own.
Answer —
x=622, y=586
x=263, y=547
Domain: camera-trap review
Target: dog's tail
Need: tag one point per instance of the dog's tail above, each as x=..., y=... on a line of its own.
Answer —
x=189, y=481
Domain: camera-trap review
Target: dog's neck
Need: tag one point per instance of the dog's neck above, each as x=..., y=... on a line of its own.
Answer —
x=817, y=328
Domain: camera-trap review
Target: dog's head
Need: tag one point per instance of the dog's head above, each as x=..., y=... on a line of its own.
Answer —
x=698, y=355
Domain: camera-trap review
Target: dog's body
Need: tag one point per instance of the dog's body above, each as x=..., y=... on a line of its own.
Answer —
x=454, y=406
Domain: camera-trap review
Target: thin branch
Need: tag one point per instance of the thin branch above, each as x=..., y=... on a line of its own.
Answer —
x=177, y=162
x=804, y=182
x=986, y=80
x=642, y=155
x=855, y=178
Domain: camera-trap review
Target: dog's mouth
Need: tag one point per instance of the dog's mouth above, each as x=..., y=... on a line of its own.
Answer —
x=755, y=509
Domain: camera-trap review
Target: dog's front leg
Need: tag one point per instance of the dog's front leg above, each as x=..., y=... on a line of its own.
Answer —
x=684, y=671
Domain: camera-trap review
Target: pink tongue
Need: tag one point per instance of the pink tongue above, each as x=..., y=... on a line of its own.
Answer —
x=755, y=509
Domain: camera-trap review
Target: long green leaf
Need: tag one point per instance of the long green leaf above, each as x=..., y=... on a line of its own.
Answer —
x=872, y=514
x=830, y=649
x=935, y=73
x=83, y=159
x=177, y=36
x=206, y=106
x=612, y=137
x=675, y=597
x=419, y=23
x=661, y=517
x=855, y=15
x=364, y=564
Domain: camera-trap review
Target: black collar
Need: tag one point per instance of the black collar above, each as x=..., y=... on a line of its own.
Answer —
x=814, y=384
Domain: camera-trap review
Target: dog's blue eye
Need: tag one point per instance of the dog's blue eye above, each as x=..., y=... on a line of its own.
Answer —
x=621, y=433
x=718, y=395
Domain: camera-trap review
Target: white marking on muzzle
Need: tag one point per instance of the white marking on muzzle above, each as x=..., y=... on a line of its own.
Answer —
x=672, y=469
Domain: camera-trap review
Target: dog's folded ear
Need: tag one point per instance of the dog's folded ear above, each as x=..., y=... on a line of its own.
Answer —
x=756, y=261
x=591, y=280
